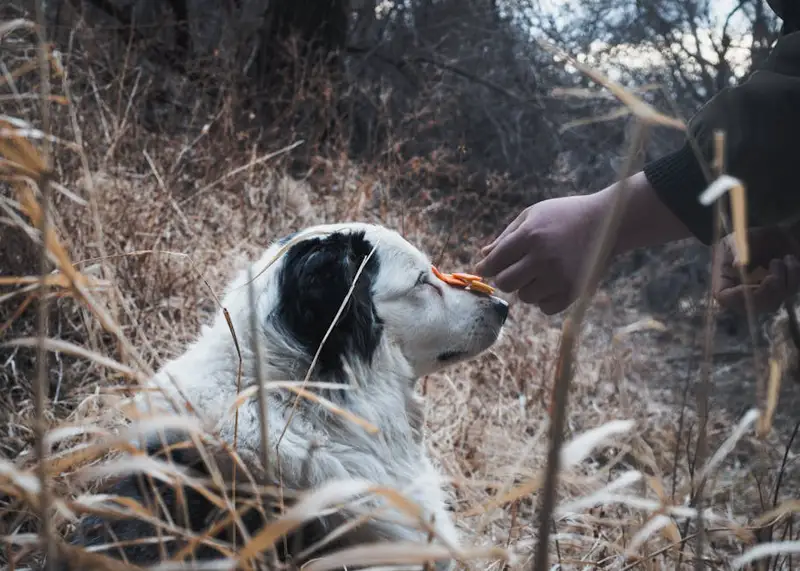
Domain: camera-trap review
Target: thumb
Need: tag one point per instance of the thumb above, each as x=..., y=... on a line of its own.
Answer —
x=733, y=298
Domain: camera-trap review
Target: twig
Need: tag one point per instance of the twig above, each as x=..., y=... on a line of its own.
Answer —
x=599, y=255
x=40, y=386
x=787, y=451
x=263, y=413
x=768, y=531
x=107, y=271
x=255, y=346
x=237, y=170
x=793, y=325
x=705, y=365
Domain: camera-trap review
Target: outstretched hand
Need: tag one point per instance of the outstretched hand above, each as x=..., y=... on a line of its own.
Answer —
x=542, y=253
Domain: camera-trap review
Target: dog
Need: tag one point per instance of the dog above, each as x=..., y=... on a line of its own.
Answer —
x=359, y=307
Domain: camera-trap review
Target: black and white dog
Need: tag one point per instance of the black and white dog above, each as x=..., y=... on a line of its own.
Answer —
x=396, y=322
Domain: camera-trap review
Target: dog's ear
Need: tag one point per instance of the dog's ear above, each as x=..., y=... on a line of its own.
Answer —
x=315, y=279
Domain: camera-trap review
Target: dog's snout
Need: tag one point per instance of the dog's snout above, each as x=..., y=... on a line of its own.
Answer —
x=501, y=307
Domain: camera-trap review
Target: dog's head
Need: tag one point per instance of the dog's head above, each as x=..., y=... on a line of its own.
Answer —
x=394, y=301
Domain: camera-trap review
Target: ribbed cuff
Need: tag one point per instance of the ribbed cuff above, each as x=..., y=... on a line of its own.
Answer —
x=678, y=182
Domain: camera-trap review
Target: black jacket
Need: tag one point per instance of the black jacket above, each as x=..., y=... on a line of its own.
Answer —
x=789, y=12
x=761, y=121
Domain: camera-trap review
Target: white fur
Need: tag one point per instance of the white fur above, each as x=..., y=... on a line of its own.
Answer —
x=419, y=324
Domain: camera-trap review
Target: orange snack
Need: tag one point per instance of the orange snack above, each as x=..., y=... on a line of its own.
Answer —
x=467, y=281
x=481, y=287
x=448, y=278
x=466, y=277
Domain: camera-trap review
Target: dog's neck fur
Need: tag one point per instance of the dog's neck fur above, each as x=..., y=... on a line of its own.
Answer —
x=385, y=386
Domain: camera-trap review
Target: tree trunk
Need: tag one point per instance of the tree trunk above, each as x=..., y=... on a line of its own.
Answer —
x=318, y=30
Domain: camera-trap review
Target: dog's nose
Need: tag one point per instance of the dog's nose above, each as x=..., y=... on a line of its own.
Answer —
x=501, y=307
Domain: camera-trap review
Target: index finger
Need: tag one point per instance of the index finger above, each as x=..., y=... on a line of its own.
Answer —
x=507, y=251
x=508, y=230
x=765, y=297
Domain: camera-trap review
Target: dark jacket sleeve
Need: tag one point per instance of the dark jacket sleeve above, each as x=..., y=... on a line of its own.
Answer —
x=761, y=121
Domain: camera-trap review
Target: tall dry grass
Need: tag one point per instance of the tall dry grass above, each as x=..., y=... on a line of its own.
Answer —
x=556, y=453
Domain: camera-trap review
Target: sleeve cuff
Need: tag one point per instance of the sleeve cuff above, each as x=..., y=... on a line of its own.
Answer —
x=678, y=182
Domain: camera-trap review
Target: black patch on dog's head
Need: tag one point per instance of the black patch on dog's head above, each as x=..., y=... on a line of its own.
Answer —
x=313, y=282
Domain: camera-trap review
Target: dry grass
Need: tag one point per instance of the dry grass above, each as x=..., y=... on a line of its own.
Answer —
x=139, y=251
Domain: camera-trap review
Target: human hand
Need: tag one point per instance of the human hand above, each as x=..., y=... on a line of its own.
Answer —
x=774, y=273
x=542, y=253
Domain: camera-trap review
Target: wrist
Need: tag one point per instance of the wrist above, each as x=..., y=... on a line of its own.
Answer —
x=645, y=220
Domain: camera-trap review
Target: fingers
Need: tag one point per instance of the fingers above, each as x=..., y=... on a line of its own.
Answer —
x=792, y=274
x=782, y=281
x=509, y=229
x=763, y=300
x=516, y=275
x=554, y=304
x=507, y=251
x=732, y=298
x=549, y=300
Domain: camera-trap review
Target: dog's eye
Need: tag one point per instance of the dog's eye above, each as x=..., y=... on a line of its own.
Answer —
x=424, y=279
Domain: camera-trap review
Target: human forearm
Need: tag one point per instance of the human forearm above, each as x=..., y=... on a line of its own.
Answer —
x=646, y=220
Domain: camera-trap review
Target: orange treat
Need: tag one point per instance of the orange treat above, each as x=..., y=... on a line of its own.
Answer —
x=482, y=287
x=449, y=279
x=466, y=277
x=468, y=281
